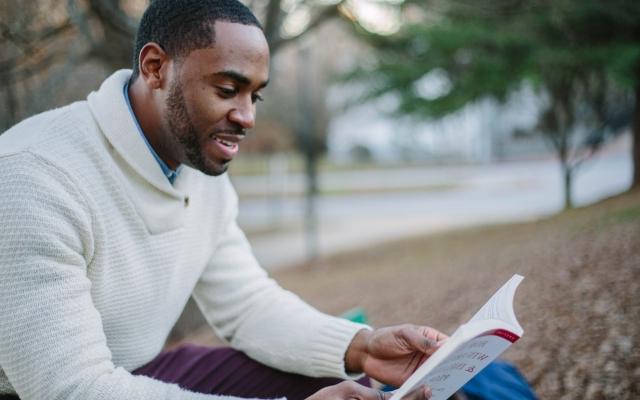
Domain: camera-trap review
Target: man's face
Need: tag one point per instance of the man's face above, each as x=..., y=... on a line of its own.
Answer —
x=212, y=95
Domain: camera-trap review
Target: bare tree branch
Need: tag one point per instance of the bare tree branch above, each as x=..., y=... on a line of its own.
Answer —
x=80, y=21
x=272, y=20
x=28, y=42
x=30, y=46
x=112, y=16
x=115, y=47
x=321, y=17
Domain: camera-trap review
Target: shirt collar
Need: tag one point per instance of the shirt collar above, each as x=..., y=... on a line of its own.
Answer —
x=168, y=172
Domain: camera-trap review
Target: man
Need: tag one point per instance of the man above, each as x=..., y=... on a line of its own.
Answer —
x=116, y=209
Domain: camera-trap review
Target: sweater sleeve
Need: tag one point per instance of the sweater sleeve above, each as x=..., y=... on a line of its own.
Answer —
x=52, y=345
x=273, y=326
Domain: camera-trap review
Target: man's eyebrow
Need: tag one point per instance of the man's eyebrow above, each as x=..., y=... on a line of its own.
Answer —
x=238, y=77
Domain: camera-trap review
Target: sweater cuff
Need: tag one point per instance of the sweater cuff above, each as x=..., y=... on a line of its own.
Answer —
x=328, y=353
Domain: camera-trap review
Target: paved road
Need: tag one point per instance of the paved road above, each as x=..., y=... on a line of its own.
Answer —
x=468, y=196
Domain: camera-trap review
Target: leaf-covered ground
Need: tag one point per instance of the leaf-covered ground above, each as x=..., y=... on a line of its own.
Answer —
x=579, y=303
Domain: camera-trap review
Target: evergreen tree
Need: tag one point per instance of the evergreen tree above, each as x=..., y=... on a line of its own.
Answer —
x=583, y=56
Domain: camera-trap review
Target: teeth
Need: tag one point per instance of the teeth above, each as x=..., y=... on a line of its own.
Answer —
x=224, y=142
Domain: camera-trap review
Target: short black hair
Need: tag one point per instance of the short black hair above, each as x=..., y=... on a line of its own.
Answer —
x=181, y=26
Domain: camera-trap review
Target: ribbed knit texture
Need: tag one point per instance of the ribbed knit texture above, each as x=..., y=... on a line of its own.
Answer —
x=99, y=254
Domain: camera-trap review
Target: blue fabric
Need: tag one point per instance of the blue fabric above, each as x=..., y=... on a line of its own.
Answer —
x=499, y=381
x=166, y=170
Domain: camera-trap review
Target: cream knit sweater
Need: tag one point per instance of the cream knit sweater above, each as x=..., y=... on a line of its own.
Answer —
x=99, y=254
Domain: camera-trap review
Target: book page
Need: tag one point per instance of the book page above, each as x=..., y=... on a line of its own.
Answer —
x=500, y=305
x=465, y=362
x=471, y=348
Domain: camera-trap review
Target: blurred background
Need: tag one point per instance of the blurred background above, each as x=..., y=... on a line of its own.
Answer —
x=411, y=155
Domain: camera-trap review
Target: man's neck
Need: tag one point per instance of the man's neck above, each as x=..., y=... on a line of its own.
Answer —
x=148, y=115
x=171, y=172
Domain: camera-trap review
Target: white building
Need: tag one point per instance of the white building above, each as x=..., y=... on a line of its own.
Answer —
x=481, y=132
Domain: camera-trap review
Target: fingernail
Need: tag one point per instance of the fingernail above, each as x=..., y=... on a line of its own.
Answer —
x=427, y=391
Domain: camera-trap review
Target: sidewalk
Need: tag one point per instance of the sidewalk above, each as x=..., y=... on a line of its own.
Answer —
x=470, y=196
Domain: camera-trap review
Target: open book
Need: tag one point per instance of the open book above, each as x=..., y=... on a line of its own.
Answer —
x=471, y=347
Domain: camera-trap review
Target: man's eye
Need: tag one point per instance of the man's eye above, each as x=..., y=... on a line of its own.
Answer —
x=256, y=97
x=226, y=91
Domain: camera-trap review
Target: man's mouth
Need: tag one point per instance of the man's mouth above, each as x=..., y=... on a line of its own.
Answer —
x=225, y=142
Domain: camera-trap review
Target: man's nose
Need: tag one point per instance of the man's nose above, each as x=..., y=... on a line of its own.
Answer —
x=243, y=114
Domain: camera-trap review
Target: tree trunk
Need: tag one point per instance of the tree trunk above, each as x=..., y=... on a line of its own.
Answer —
x=11, y=103
x=307, y=143
x=568, y=198
x=635, y=133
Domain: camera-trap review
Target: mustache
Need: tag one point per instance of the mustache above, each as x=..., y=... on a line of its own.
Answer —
x=238, y=131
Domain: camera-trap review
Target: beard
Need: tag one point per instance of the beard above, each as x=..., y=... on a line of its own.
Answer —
x=186, y=136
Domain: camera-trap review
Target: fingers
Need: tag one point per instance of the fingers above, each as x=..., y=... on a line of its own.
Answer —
x=439, y=336
x=349, y=390
x=433, y=334
x=355, y=391
x=420, y=393
x=423, y=339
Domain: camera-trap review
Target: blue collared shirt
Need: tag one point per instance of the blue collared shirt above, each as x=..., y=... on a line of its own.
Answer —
x=168, y=172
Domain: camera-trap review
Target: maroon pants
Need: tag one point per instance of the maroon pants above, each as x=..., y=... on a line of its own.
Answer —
x=226, y=371
x=229, y=372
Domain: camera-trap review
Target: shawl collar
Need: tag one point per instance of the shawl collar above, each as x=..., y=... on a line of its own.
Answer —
x=161, y=205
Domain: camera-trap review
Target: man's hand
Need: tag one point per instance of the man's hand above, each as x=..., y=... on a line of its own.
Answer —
x=349, y=390
x=390, y=355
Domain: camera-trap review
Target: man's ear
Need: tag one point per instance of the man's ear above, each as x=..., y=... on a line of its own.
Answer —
x=154, y=63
